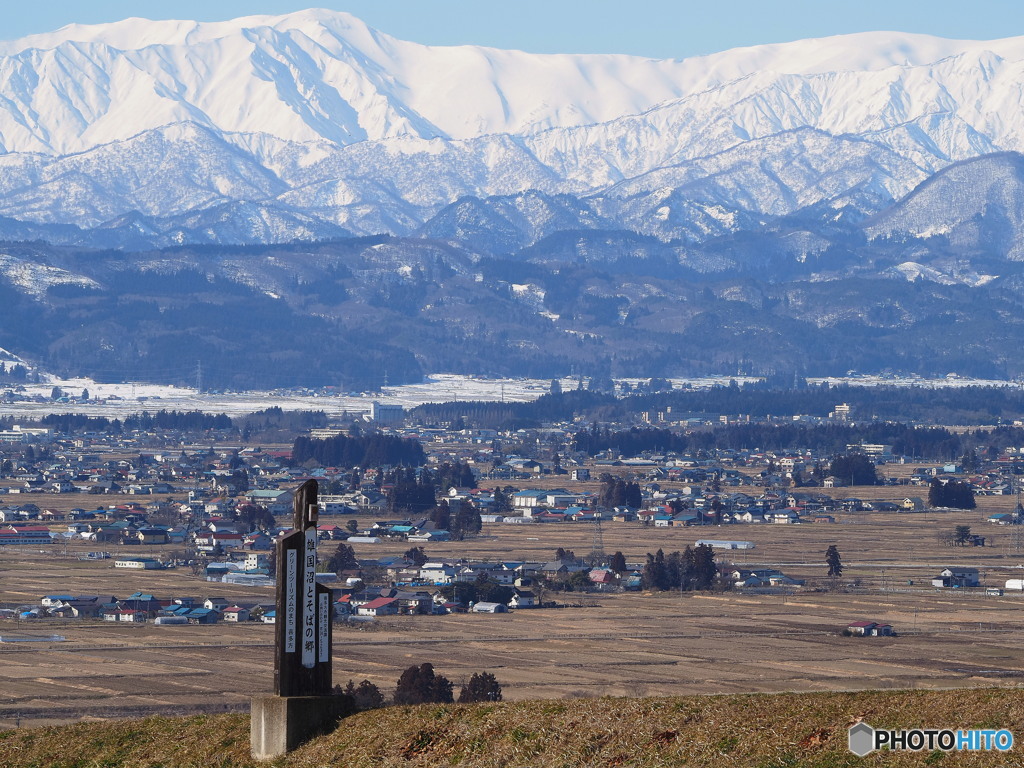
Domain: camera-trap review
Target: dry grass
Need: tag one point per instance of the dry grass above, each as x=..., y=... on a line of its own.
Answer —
x=745, y=731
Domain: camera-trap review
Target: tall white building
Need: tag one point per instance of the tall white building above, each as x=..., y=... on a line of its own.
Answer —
x=386, y=414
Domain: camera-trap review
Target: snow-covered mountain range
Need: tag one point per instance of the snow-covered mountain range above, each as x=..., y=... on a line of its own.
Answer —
x=313, y=125
x=824, y=205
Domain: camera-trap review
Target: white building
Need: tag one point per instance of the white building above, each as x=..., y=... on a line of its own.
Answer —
x=386, y=414
x=138, y=563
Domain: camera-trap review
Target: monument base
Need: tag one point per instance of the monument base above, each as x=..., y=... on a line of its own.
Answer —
x=282, y=723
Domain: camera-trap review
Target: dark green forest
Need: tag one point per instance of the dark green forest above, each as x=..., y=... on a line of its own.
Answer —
x=336, y=313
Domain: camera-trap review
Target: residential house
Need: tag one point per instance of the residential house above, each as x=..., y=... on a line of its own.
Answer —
x=437, y=573
x=202, y=616
x=77, y=609
x=528, y=500
x=125, y=614
x=257, y=541
x=138, y=563
x=152, y=536
x=869, y=629
x=602, y=578
x=277, y=502
x=218, y=604
x=483, y=607
x=957, y=576
x=235, y=613
x=762, y=577
x=381, y=606
x=523, y=598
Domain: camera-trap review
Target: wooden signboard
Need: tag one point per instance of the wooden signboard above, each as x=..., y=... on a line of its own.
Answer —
x=302, y=658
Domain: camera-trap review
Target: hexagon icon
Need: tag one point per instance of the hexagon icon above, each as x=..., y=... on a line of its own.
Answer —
x=861, y=739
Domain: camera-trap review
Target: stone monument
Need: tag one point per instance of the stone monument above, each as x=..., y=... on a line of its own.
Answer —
x=302, y=705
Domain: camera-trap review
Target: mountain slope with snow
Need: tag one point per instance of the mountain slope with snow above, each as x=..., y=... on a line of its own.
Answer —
x=316, y=122
x=323, y=75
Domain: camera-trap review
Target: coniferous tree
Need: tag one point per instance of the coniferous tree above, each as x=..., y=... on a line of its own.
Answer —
x=704, y=570
x=343, y=559
x=416, y=556
x=834, y=562
x=961, y=535
x=420, y=685
x=480, y=688
x=654, y=574
x=366, y=695
x=441, y=516
x=502, y=501
x=618, y=563
x=465, y=522
x=632, y=497
x=565, y=555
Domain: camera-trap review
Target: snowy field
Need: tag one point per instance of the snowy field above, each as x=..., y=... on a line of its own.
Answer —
x=120, y=400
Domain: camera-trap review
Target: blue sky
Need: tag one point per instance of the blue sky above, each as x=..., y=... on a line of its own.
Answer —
x=658, y=28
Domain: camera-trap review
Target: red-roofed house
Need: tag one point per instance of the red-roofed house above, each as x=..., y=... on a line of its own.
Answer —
x=235, y=613
x=869, y=629
x=382, y=606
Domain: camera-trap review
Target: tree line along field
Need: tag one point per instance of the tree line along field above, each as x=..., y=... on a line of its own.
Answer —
x=616, y=643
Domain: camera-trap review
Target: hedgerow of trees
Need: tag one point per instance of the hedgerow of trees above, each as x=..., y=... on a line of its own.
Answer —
x=951, y=493
x=854, y=468
x=689, y=570
x=616, y=492
x=361, y=451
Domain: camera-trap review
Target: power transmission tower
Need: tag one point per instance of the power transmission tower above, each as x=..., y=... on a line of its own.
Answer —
x=597, y=550
x=1016, y=541
x=199, y=375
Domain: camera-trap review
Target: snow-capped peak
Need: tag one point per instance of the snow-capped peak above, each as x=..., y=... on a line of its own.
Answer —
x=313, y=116
x=319, y=74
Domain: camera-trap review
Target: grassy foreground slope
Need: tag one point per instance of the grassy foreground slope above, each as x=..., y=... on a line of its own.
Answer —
x=746, y=731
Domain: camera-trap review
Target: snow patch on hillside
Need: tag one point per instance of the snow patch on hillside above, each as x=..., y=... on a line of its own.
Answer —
x=34, y=279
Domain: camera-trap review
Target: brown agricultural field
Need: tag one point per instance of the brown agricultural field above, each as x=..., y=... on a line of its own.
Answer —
x=620, y=644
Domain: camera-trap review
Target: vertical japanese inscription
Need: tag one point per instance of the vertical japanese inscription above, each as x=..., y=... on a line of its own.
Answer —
x=324, y=627
x=309, y=608
x=290, y=608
